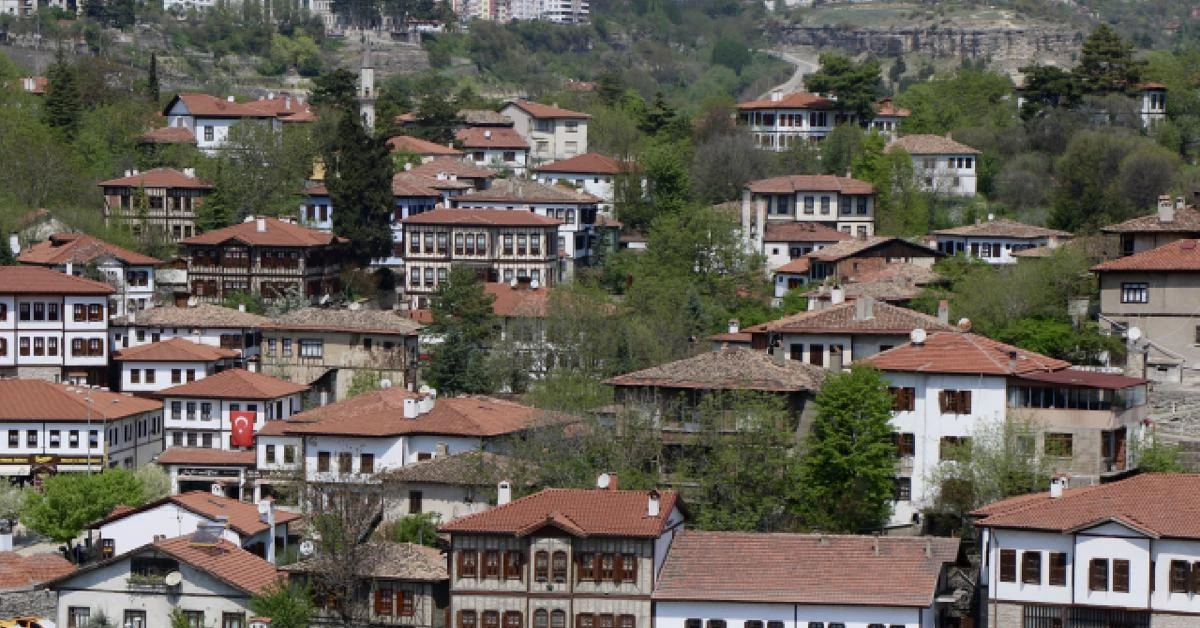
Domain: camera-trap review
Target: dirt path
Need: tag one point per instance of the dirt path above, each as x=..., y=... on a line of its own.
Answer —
x=805, y=62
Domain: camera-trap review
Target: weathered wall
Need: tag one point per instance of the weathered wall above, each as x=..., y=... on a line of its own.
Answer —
x=977, y=43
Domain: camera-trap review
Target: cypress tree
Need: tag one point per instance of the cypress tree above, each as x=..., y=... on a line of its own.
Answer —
x=63, y=102
x=152, y=88
x=359, y=178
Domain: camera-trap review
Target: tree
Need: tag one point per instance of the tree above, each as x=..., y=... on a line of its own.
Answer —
x=1151, y=454
x=841, y=149
x=1088, y=173
x=359, y=178
x=1106, y=63
x=155, y=482
x=849, y=459
x=11, y=497
x=998, y=460
x=857, y=85
x=63, y=104
x=178, y=619
x=152, y=88
x=1049, y=87
x=364, y=380
x=70, y=501
x=259, y=172
x=288, y=604
x=420, y=529
x=337, y=90
x=252, y=301
x=437, y=117
x=725, y=163
x=463, y=317
x=344, y=519
x=960, y=99
x=731, y=53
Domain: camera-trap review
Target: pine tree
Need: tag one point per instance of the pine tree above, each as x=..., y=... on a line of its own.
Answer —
x=63, y=102
x=1106, y=63
x=152, y=88
x=463, y=316
x=359, y=178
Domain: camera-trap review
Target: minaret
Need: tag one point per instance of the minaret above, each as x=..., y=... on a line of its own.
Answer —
x=366, y=90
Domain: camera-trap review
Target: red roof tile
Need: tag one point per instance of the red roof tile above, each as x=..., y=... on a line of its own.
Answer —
x=235, y=384
x=1085, y=379
x=206, y=456
x=35, y=84
x=850, y=248
x=204, y=105
x=1178, y=256
x=493, y=137
x=520, y=302
x=729, y=368
x=39, y=280
x=79, y=248
x=485, y=217
x=39, y=400
x=1139, y=502
x=957, y=352
x=538, y=110
x=804, y=568
x=930, y=145
x=174, y=350
x=158, y=178
x=794, y=100
x=1004, y=228
x=440, y=166
x=886, y=107
x=225, y=561
x=798, y=266
x=418, y=146
x=276, y=233
x=25, y=572
x=587, y=163
x=243, y=517
x=1184, y=220
x=168, y=135
x=581, y=512
x=802, y=232
x=790, y=184
x=842, y=318
x=521, y=191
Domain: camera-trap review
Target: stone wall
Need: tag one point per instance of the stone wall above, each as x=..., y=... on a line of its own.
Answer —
x=1021, y=44
x=36, y=603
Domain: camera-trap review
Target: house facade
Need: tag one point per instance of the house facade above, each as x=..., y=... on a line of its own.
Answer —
x=940, y=164
x=592, y=173
x=210, y=118
x=786, y=242
x=266, y=256
x=425, y=150
x=562, y=557
x=208, y=412
x=447, y=487
x=1108, y=555
x=996, y=240
x=53, y=326
x=229, y=473
x=201, y=323
x=552, y=133
x=498, y=148
x=783, y=121
x=163, y=201
x=839, y=203
x=804, y=581
x=847, y=260
x=130, y=273
x=149, y=368
x=1173, y=220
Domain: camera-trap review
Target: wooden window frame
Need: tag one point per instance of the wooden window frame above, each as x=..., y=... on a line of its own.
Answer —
x=1098, y=574
x=1031, y=567
x=1058, y=569
x=468, y=563
x=491, y=564
x=1120, y=575
x=559, y=566
x=541, y=566
x=468, y=619
x=383, y=599
x=628, y=568
x=513, y=565
x=1007, y=565
x=406, y=603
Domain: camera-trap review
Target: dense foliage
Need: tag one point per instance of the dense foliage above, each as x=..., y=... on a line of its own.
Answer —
x=70, y=501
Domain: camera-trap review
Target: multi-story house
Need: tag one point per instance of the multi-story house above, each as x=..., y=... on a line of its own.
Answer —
x=588, y=558
x=424, y=149
x=888, y=118
x=553, y=133
x=897, y=283
x=229, y=473
x=53, y=326
x=841, y=203
x=209, y=412
x=996, y=240
x=1173, y=221
x=849, y=259
x=201, y=323
x=210, y=118
x=265, y=256
x=786, y=242
x=576, y=213
x=520, y=308
x=55, y=428
x=1155, y=292
x=948, y=385
x=565, y=11
x=446, y=170
x=782, y=121
x=327, y=347
x=162, y=201
x=211, y=583
x=450, y=486
x=499, y=148
x=147, y=368
x=804, y=581
x=1153, y=104
x=1125, y=553
x=132, y=274
x=940, y=164
x=501, y=245
x=592, y=173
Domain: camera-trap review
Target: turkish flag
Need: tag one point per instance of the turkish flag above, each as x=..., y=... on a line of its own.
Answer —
x=242, y=422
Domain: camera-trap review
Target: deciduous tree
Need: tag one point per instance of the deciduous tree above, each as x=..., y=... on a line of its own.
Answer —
x=70, y=501
x=289, y=605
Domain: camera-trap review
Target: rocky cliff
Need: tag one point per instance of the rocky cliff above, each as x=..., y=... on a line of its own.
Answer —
x=1022, y=44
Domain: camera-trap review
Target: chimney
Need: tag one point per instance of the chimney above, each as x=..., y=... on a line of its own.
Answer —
x=837, y=296
x=407, y=166
x=1056, y=486
x=14, y=243
x=928, y=548
x=260, y=225
x=734, y=326
x=70, y=269
x=776, y=95
x=864, y=308
x=503, y=492
x=1178, y=203
x=287, y=103
x=1166, y=213
x=943, y=312
x=653, y=504
x=189, y=172
x=128, y=173
x=487, y=135
x=411, y=409
x=229, y=99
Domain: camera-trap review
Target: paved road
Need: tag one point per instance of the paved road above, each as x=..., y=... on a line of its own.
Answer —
x=796, y=82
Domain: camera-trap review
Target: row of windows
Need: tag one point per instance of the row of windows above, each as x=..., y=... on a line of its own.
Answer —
x=394, y=601
x=49, y=311
x=1058, y=444
x=813, y=118
x=54, y=439
x=366, y=462
x=1103, y=574
x=206, y=440
x=959, y=163
x=205, y=410
x=1138, y=292
x=543, y=619
x=786, y=205
x=151, y=376
x=509, y=565
x=81, y=616
x=289, y=454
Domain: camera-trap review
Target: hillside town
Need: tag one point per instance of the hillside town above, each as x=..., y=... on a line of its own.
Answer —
x=862, y=347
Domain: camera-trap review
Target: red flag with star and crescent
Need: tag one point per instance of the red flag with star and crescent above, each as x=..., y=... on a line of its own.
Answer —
x=242, y=423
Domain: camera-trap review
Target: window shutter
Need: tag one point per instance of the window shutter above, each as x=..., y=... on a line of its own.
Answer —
x=460, y=571
x=459, y=619
x=964, y=402
x=579, y=617
x=1193, y=583
x=631, y=567
x=943, y=401
x=619, y=568
x=383, y=602
x=404, y=603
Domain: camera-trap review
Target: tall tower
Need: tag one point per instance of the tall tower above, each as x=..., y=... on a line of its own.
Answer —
x=366, y=90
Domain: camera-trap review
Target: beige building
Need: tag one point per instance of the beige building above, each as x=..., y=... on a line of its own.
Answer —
x=1173, y=221
x=840, y=203
x=163, y=200
x=553, y=133
x=325, y=348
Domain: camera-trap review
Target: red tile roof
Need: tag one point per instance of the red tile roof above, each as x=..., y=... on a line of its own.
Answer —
x=225, y=561
x=418, y=146
x=407, y=184
x=35, y=84
x=538, y=110
x=174, y=350
x=1085, y=379
x=958, y=352
x=886, y=107
x=521, y=191
x=235, y=384
x=1177, y=256
x=587, y=163
x=39, y=400
x=276, y=233
x=493, y=137
x=1159, y=504
x=287, y=108
x=204, y=105
x=804, y=568
x=450, y=166
x=798, y=266
x=168, y=135
x=520, y=302
x=1004, y=228
x=39, y=280
x=243, y=516
x=850, y=248
x=790, y=184
x=930, y=145
x=802, y=232
x=484, y=217
x=380, y=413
x=19, y=572
x=729, y=368
x=158, y=178
x=794, y=100
x=842, y=318
x=580, y=512
x=1185, y=220
x=206, y=456
x=79, y=248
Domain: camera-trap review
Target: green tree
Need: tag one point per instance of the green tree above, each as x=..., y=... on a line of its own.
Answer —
x=289, y=605
x=1106, y=63
x=731, y=53
x=841, y=149
x=857, y=85
x=70, y=501
x=463, y=317
x=178, y=619
x=1088, y=175
x=359, y=178
x=11, y=498
x=252, y=301
x=152, y=89
x=63, y=104
x=364, y=380
x=420, y=529
x=1049, y=87
x=964, y=98
x=337, y=89
x=849, y=459
x=999, y=460
x=437, y=117
x=259, y=172
x=155, y=482
x=1152, y=454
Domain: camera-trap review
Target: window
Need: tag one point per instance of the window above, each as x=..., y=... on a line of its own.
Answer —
x=208, y=133
x=323, y=461
x=468, y=564
x=24, y=346
x=1058, y=569
x=195, y=619
x=491, y=564
x=78, y=616
x=1135, y=292
x=14, y=439
x=1098, y=574
x=191, y=375
x=95, y=313
x=541, y=619
x=1008, y=565
x=23, y=308
x=491, y=619
x=135, y=376
x=52, y=312
x=512, y=565
x=954, y=447
x=270, y=454
x=312, y=348
x=233, y=620
x=366, y=463
x=383, y=599
x=628, y=567
x=587, y=566
x=512, y=619
x=1120, y=575
x=693, y=623
x=816, y=355
x=955, y=401
x=558, y=566
x=904, y=399
x=31, y=438
x=466, y=619
x=1031, y=567
x=287, y=347
x=714, y=623
x=825, y=205
x=150, y=374
x=135, y=619
x=906, y=444
x=39, y=311
x=606, y=621
x=289, y=454
x=902, y=489
x=206, y=440
x=1059, y=444
x=345, y=462
x=176, y=376
x=541, y=566
x=1179, y=578
x=606, y=567
x=405, y=603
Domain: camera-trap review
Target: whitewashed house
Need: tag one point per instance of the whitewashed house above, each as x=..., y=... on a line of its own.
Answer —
x=201, y=323
x=839, y=203
x=758, y=580
x=1120, y=554
x=781, y=121
x=553, y=133
x=201, y=469
x=202, y=411
x=498, y=148
x=130, y=273
x=210, y=118
x=996, y=240
x=592, y=173
x=149, y=368
x=448, y=487
x=941, y=164
x=1153, y=104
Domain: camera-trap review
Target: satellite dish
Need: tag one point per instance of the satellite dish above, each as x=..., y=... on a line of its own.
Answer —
x=964, y=324
x=535, y=284
x=173, y=579
x=306, y=548
x=917, y=336
x=1134, y=334
x=603, y=481
x=385, y=383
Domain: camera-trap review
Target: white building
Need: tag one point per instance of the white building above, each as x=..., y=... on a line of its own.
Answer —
x=996, y=240
x=839, y=203
x=56, y=428
x=1120, y=554
x=149, y=368
x=449, y=487
x=499, y=148
x=782, y=121
x=210, y=118
x=201, y=411
x=750, y=579
x=941, y=164
x=592, y=173
x=53, y=326
x=786, y=242
x=1154, y=104
x=553, y=133
x=201, y=323
x=199, y=469
x=211, y=583
x=130, y=273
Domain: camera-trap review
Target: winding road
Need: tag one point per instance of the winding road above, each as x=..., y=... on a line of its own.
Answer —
x=796, y=82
